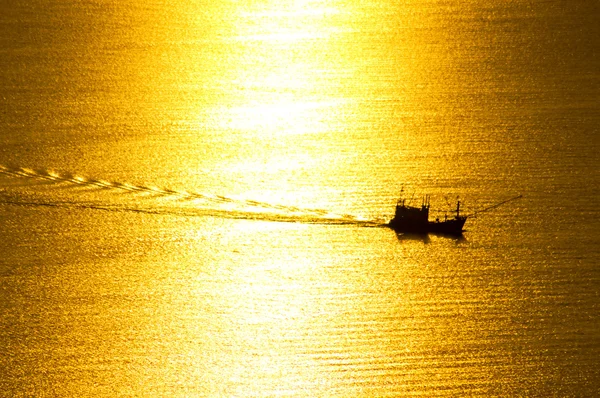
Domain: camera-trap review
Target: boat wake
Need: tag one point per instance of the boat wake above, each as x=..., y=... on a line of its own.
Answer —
x=191, y=204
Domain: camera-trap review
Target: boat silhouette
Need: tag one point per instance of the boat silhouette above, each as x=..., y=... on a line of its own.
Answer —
x=416, y=219
x=413, y=219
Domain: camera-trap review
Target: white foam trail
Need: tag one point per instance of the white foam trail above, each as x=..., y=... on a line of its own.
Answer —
x=56, y=177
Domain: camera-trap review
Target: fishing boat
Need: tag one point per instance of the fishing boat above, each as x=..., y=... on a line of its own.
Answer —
x=416, y=219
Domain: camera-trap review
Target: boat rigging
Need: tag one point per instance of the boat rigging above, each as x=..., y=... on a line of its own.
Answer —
x=416, y=219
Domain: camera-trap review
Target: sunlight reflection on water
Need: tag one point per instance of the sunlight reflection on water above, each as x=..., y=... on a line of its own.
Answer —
x=147, y=149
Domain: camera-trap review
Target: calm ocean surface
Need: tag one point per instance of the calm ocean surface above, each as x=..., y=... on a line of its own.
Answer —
x=191, y=198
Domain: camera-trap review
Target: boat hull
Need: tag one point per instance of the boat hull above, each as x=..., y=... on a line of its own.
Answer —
x=454, y=226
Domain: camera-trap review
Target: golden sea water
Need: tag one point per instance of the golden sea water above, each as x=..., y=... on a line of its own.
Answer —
x=192, y=198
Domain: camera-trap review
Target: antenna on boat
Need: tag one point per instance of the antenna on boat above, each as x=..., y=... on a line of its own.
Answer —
x=401, y=198
x=425, y=201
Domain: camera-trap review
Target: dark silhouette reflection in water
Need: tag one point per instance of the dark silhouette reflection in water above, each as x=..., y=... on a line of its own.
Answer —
x=425, y=237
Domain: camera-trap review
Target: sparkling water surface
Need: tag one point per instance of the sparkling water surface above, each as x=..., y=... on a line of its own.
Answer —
x=193, y=198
